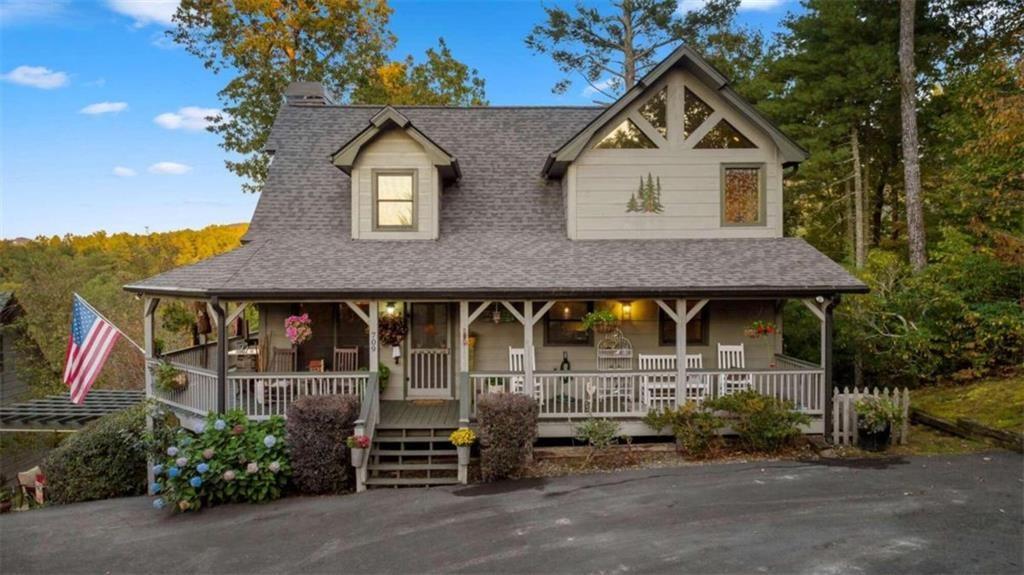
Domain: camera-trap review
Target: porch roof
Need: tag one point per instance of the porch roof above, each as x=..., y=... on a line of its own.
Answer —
x=461, y=265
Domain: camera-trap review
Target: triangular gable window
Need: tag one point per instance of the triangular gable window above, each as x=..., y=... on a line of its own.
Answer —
x=654, y=111
x=625, y=135
x=696, y=111
x=724, y=135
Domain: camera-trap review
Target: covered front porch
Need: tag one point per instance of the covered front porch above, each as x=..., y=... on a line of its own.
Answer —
x=661, y=352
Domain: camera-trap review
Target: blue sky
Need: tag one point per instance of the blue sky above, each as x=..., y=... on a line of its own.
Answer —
x=100, y=117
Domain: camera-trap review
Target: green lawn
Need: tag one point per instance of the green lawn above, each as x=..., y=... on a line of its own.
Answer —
x=996, y=402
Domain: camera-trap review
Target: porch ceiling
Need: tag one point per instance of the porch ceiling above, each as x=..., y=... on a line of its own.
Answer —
x=466, y=265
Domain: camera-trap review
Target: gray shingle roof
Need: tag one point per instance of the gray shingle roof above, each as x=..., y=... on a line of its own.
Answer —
x=502, y=225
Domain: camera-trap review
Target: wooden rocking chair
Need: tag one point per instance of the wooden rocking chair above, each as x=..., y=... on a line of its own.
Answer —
x=346, y=358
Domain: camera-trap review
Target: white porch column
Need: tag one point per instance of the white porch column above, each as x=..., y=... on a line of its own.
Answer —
x=681, y=321
x=463, y=392
x=149, y=351
x=528, y=351
x=373, y=319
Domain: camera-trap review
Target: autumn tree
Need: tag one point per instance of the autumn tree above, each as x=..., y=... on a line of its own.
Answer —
x=268, y=45
x=439, y=80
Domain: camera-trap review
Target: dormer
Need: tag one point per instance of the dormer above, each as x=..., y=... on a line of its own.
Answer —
x=680, y=155
x=397, y=175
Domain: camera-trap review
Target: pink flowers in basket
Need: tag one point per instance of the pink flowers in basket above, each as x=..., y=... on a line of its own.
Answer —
x=298, y=328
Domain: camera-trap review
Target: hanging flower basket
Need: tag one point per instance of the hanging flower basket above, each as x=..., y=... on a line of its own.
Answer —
x=602, y=321
x=759, y=329
x=298, y=328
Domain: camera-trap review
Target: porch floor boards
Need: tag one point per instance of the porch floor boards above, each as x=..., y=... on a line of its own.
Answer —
x=442, y=414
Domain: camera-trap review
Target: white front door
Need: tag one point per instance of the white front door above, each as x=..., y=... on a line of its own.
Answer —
x=430, y=356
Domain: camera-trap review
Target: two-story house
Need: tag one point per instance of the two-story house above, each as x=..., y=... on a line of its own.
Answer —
x=490, y=233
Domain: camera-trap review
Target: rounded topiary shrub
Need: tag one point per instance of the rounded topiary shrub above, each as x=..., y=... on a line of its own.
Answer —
x=508, y=428
x=317, y=430
x=106, y=459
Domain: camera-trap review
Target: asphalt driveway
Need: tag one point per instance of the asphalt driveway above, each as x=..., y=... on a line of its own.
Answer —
x=958, y=514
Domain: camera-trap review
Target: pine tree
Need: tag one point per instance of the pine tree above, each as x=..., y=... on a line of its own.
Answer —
x=632, y=205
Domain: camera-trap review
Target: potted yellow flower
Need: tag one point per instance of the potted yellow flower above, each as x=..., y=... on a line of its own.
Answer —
x=463, y=439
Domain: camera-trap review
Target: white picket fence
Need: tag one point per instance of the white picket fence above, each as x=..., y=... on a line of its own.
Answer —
x=844, y=415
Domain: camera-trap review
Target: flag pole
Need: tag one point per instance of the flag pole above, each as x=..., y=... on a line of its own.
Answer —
x=123, y=334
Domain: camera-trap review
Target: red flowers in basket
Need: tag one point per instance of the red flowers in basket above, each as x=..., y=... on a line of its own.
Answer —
x=760, y=328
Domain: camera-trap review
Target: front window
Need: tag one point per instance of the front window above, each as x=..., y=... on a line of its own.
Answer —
x=395, y=200
x=696, y=329
x=563, y=324
x=743, y=195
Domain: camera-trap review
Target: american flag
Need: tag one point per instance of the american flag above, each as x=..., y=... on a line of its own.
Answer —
x=92, y=338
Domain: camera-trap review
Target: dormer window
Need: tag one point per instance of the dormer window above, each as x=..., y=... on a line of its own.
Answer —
x=394, y=199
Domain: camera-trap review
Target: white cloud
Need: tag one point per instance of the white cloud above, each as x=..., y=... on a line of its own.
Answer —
x=752, y=5
x=597, y=89
x=27, y=11
x=123, y=172
x=104, y=108
x=145, y=12
x=172, y=168
x=37, y=77
x=189, y=118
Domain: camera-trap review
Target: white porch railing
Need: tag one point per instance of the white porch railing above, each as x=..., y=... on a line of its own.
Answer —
x=635, y=393
x=200, y=397
x=262, y=395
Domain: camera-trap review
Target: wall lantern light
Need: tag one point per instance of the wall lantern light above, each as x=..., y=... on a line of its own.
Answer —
x=390, y=308
x=627, y=311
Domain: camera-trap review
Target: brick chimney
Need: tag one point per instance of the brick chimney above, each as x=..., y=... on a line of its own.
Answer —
x=309, y=94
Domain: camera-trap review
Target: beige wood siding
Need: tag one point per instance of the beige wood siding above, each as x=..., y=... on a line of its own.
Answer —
x=727, y=320
x=394, y=150
x=600, y=181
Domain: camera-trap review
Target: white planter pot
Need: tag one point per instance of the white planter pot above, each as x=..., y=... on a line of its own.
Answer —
x=463, y=454
x=357, y=456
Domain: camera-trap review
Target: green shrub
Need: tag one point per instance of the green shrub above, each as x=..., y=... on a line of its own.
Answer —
x=694, y=426
x=508, y=428
x=317, y=430
x=232, y=460
x=105, y=459
x=762, y=423
x=875, y=414
x=599, y=434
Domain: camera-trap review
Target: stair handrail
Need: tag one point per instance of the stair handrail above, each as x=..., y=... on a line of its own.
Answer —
x=369, y=415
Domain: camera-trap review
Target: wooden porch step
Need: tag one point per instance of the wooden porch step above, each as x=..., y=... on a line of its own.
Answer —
x=410, y=481
x=415, y=452
x=413, y=467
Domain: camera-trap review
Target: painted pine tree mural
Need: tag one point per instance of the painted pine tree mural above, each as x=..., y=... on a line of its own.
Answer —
x=647, y=198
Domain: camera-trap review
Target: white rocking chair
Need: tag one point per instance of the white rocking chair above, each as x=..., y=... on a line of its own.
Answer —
x=733, y=357
x=659, y=391
x=517, y=364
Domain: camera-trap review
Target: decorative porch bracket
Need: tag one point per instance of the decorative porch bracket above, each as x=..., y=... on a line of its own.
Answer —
x=681, y=311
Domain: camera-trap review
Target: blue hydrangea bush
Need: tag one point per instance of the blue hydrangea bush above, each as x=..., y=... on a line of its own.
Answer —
x=233, y=460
